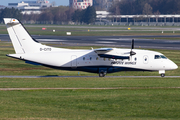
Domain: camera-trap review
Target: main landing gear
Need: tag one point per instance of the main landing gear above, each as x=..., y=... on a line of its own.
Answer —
x=102, y=74
x=102, y=71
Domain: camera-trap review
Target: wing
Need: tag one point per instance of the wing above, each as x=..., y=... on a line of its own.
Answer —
x=103, y=50
x=110, y=53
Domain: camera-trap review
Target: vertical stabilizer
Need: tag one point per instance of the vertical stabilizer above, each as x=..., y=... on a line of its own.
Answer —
x=10, y=23
x=22, y=41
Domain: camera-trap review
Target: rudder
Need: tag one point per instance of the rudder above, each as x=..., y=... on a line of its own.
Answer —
x=21, y=39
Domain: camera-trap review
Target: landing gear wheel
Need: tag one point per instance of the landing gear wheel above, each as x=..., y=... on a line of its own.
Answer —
x=102, y=74
x=162, y=75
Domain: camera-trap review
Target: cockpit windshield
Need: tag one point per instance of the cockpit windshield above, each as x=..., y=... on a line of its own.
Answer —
x=160, y=57
x=163, y=57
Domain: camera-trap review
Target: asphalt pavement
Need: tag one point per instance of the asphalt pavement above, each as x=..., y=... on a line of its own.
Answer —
x=108, y=41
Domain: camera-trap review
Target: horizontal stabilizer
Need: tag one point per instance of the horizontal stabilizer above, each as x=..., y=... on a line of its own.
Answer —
x=17, y=56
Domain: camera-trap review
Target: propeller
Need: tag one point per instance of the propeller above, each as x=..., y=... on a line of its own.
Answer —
x=132, y=47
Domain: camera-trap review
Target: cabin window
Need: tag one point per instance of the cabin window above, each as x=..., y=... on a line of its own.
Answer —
x=83, y=58
x=135, y=59
x=90, y=58
x=97, y=58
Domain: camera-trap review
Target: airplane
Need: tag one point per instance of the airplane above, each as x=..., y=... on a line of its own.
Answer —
x=100, y=61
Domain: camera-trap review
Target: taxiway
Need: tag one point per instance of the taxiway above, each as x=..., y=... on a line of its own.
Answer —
x=56, y=76
x=108, y=41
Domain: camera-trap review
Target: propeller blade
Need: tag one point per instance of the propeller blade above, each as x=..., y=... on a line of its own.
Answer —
x=132, y=47
x=132, y=44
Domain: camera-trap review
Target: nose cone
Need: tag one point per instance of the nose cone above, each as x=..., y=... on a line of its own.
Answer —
x=174, y=66
x=170, y=65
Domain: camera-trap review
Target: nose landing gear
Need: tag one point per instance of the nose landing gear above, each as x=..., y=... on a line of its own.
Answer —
x=162, y=73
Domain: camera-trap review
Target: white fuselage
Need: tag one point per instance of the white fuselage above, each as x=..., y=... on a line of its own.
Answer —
x=88, y=60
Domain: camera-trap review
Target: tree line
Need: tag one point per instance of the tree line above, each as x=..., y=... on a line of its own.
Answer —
x=87, y=15
x=10, y=13
x=57, y=15
x=145, y=7
x=53, y=15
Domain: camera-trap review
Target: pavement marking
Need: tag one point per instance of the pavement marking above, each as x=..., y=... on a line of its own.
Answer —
x=56, y=76
x=50, y=40
x=110, y=88
x=105, y=42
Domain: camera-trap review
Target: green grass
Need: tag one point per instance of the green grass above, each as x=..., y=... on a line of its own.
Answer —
x=85, y=32
x=127, y=103
x=88, y=82
x=90, y=104
x=112, y=31
x=132, y=104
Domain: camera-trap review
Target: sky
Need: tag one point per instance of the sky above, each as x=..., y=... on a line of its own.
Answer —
x=58, y=2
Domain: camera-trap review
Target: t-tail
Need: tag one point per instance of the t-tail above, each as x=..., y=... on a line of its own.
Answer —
x=22, y=40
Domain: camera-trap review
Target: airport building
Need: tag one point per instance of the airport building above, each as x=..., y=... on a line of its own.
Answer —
x=83, y=4
x=104, y=18
x=29, y=7
x=104, y=4
x=80, y=4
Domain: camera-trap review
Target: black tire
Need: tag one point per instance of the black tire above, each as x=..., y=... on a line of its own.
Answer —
x=101, y=74
x=163, y=75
